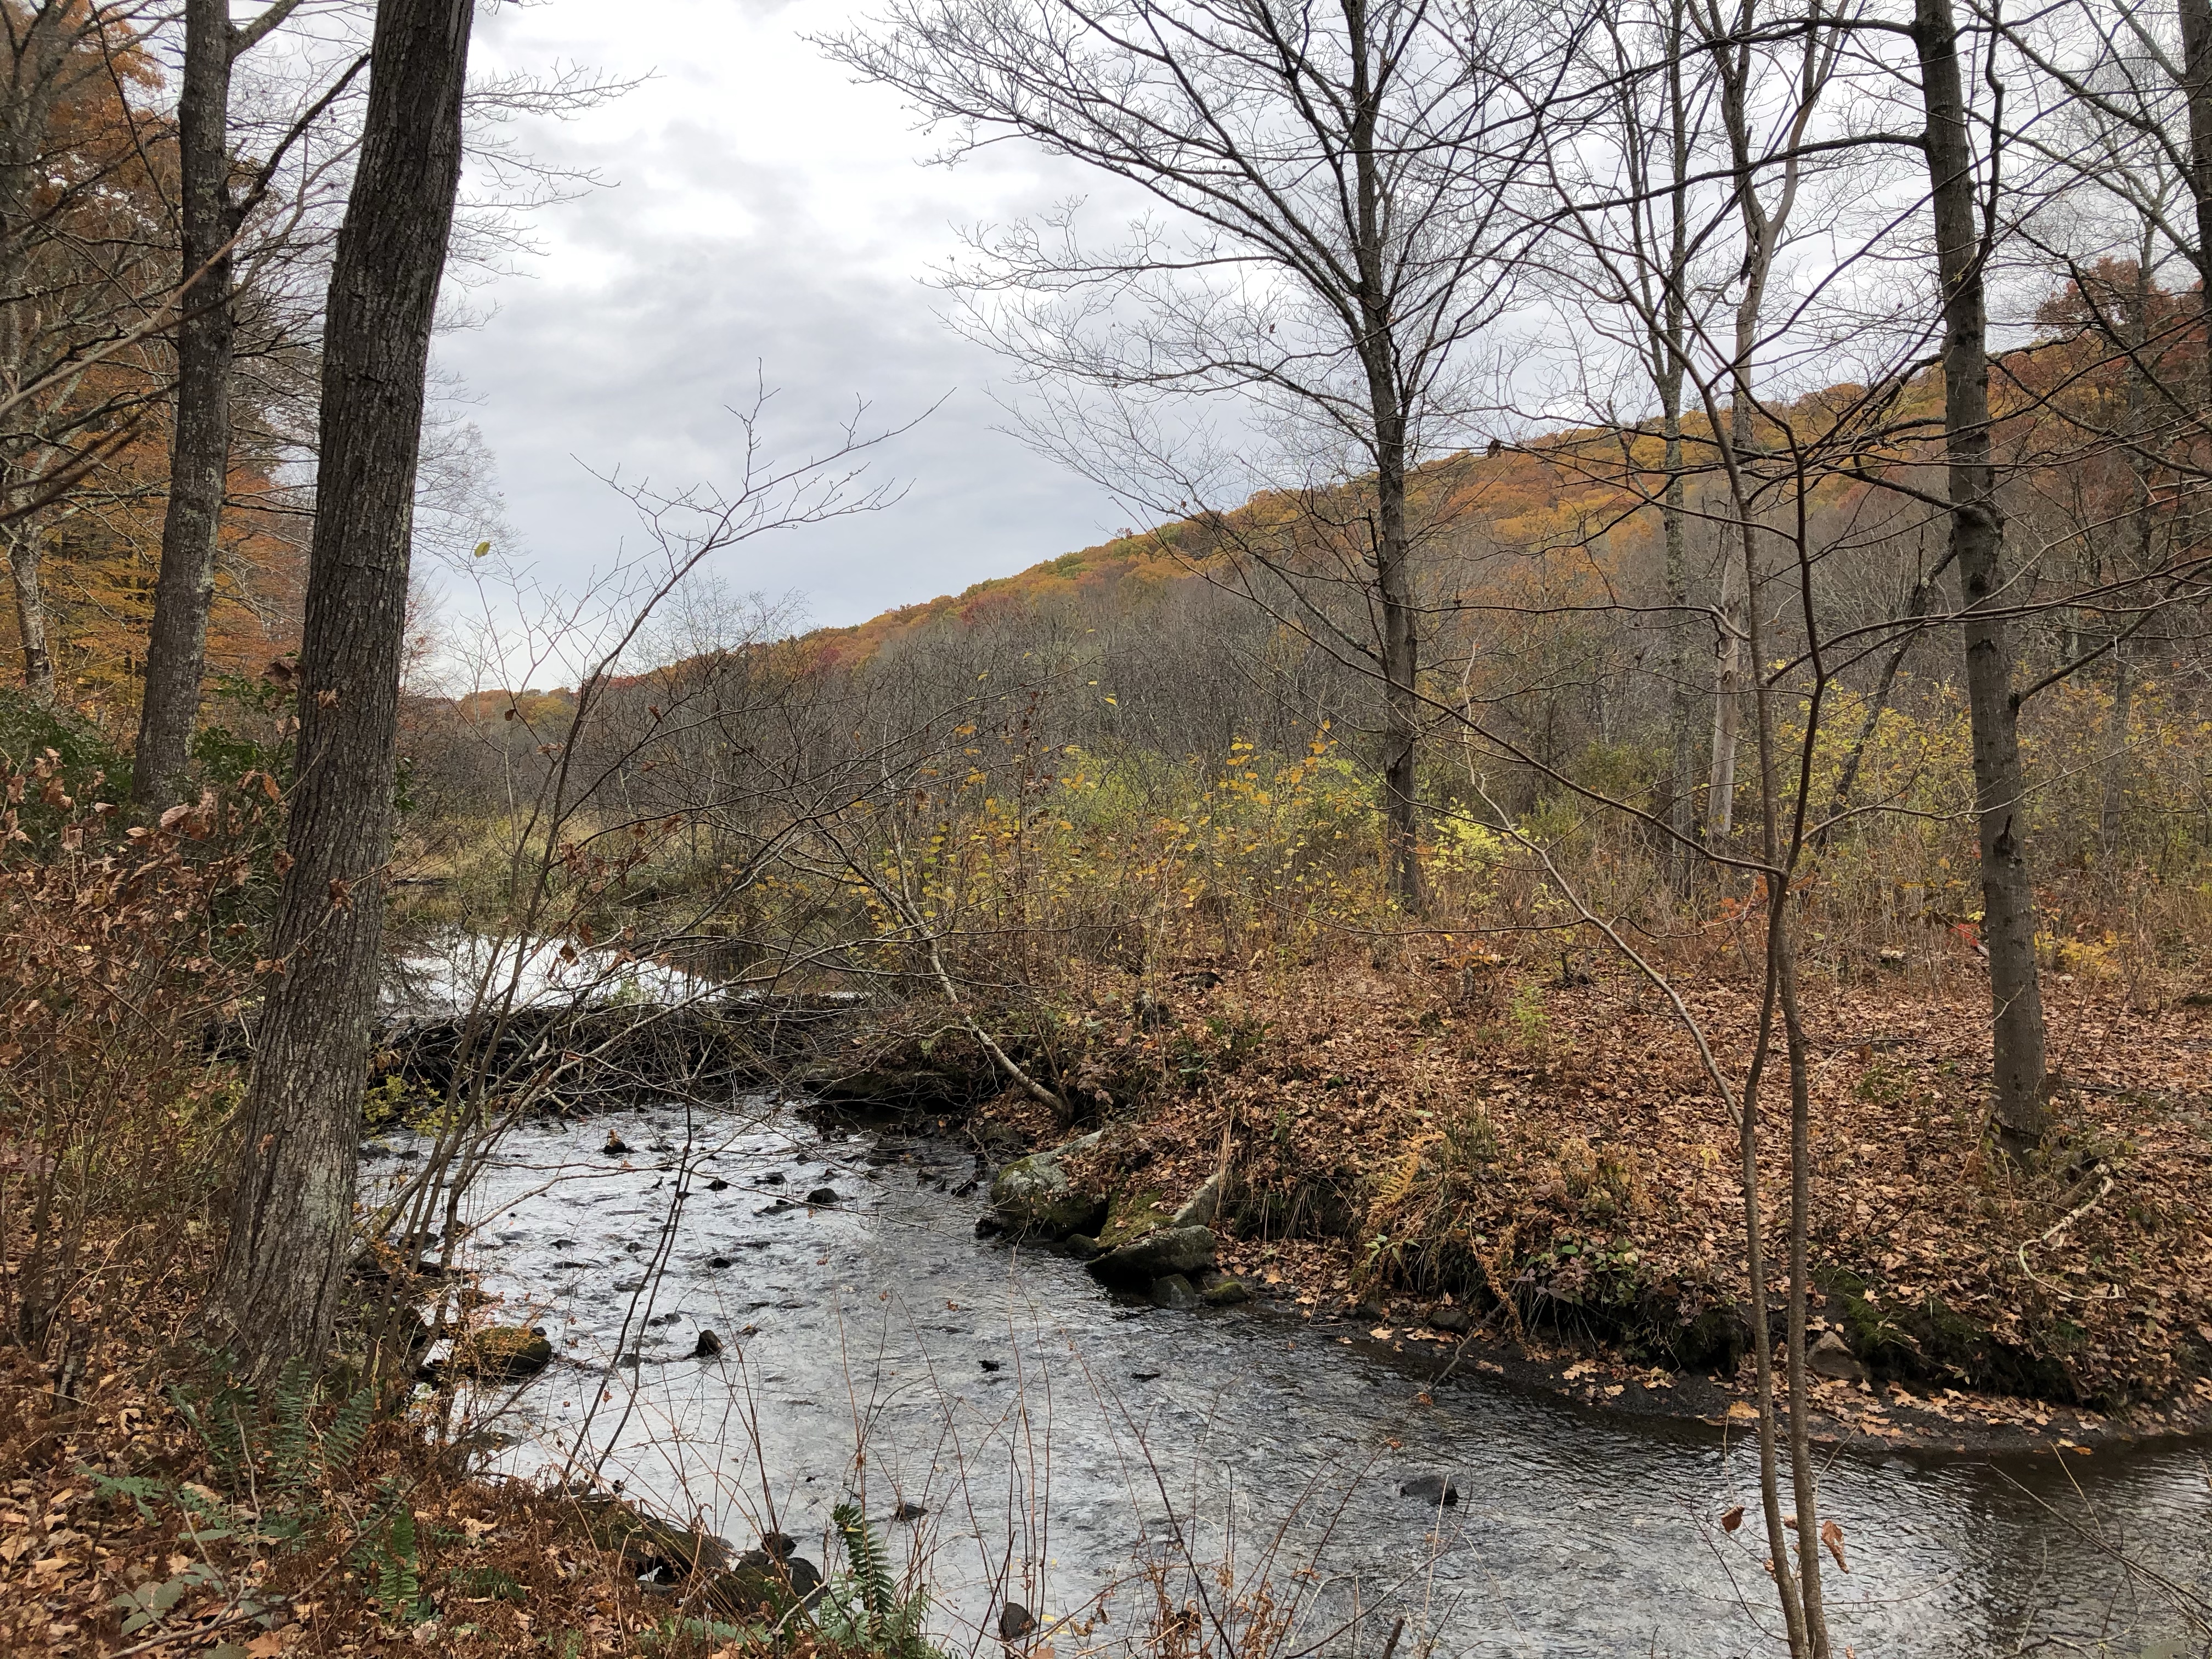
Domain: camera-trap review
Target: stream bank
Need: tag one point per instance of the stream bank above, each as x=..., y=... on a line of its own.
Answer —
x=1061, y=1439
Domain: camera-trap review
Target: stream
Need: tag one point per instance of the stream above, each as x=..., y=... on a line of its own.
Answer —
x=1067, y=1444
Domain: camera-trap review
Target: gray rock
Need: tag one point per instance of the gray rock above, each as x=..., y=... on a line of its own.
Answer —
x=1457, y=1321
x=1015, y=1621
x=824, y=1196
x=1168, y=1250
x=1227, y=1292
x=1200, y=1209
x=909, y=1511
x=708, y=1347
x=1081, y=1246
x=1033, y=1197
x=1175, y=1293
x=1833, y=1356
x=1430, y=1489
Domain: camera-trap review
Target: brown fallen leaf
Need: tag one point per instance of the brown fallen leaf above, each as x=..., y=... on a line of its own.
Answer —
x=1832, y=1535
x=1732, y=1519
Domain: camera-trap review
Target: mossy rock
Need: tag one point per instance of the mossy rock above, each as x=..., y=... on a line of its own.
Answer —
x=501, y=1354
x=648, y=1544
x=1130, y=1216
x=1032, y=1197
x=1157, y=1254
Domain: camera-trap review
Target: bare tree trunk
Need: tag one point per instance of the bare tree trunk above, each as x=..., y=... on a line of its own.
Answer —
x=33, y=79
x=1761, y=233
x=1977, y=541
x=2111, y=817
x=199, y=449
x=1681, y=706
x=2144, y=523
x=1739, y=582
x=2197, y=88
x=1394, y=583
x=292, y=1204
x=1401, y=663
x=30, y=608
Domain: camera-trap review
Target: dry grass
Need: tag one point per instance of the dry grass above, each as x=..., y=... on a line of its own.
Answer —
x=1552, y=1154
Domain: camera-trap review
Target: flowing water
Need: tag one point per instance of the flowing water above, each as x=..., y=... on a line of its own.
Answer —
x=1067, y=1444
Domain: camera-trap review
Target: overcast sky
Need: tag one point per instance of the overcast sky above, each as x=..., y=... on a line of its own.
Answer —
x=762, y=217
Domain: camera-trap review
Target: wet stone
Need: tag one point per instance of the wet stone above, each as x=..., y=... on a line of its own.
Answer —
x=1175, y=1293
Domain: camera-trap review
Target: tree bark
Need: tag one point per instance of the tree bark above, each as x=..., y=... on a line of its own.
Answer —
x=30, y=608
x=1671, y=359
x=293, y=1199
x=35, y=78
x=2196, y=90
x=1393, y=585
x=1977, y=543
x=1400, y=664
x=199, y=449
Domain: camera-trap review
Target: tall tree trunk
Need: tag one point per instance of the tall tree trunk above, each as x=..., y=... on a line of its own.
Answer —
x=1393, y=579
x=2143, y=524
x=33, y=80
x=1682, y=703
x=1401, y=662
x=199, y=450
x=2113, y=810
x=1671, y=361
x=292, y=1203
x=1978, y=543
x=22, y=536
x=1761, y=232
x=2196, y=90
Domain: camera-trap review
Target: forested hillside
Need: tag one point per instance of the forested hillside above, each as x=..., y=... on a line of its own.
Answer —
x=1610, y=900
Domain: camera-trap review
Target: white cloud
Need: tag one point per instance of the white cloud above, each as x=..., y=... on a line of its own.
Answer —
x=764, y=219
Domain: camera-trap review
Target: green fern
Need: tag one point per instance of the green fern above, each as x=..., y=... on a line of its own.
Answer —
x=399, y=1586
x=872, y=1576
x=342, y=1441
x=294, y=1466
x=218, y=1420
x=865, y=1609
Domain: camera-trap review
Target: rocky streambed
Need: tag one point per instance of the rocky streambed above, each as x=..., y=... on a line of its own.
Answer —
x=755, y=1315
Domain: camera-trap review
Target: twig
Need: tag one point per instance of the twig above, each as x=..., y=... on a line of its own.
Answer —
x=2060, y=1226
